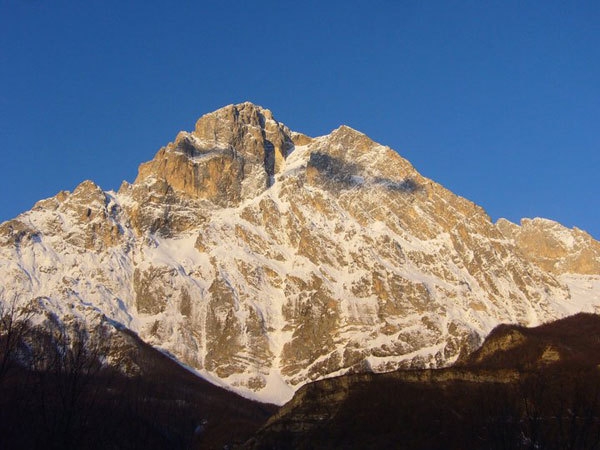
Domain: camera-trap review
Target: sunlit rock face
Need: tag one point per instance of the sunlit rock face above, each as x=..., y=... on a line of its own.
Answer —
x=264, y=258
x=553, y=247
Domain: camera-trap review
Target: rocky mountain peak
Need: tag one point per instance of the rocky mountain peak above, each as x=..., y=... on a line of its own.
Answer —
x=348, y=137
x=249, y=131
x=232, y=154
x=264, y=258
x=219, y=126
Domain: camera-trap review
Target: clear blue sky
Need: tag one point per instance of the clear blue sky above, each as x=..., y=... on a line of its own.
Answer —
x=497, y=101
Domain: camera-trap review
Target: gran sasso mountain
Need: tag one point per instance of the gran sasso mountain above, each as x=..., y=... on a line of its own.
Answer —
x=265, y=259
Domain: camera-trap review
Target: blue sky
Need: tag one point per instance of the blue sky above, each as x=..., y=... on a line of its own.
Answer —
x=497, y=101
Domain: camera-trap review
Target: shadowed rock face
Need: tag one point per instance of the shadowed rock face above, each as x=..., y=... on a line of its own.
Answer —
x=266, y=258
x=570, y=342
x=523, y=385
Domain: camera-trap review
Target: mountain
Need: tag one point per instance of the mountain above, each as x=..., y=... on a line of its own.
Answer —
x=264, y=259
x=524, y=388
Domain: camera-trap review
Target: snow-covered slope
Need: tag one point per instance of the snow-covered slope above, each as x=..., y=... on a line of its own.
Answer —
x=265, y=259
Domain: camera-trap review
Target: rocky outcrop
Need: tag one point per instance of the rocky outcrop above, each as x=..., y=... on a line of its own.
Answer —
x=86, y=219
x=553, y=247
x=232, y=154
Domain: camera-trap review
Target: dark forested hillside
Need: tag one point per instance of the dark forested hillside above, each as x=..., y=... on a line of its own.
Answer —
x=513, y=393
x=56, y=393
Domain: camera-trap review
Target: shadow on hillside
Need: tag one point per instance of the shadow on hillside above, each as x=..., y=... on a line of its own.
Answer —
x=351, y=175
x=514, y=398
x=67, y=398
